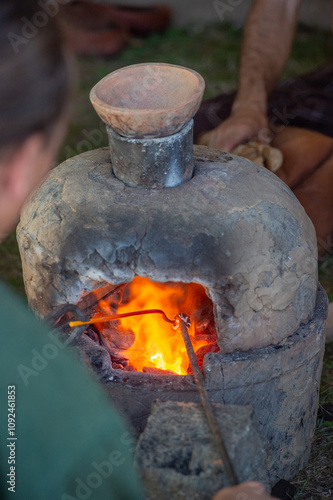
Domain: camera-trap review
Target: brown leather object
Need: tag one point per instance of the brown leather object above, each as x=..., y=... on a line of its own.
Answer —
x=93, y=43
x=97, y=16
x=143, y=20
x=86, y=15
x=308, y=170
x=304, y=150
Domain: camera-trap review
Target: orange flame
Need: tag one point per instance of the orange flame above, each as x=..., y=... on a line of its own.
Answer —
x=156, y=344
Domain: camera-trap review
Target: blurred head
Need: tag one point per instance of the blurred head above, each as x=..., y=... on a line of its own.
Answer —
x=34, y=93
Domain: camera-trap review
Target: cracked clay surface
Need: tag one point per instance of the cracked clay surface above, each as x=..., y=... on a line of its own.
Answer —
x=234, y=227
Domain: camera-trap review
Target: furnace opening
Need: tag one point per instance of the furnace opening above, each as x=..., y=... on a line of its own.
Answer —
x=147, y=343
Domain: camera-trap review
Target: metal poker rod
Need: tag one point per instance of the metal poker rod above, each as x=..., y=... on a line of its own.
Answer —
x=104, y=319
x=182, y=321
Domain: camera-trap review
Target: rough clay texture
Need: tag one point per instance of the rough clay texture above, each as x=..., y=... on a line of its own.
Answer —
x=176, y=457
x=234, y=228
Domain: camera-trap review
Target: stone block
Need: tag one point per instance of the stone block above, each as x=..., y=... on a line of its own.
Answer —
x=177, y=459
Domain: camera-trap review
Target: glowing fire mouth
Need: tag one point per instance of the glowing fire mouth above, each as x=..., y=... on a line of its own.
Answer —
x=152, y=343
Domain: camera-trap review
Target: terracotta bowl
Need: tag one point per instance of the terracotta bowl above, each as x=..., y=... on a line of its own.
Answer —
x=148, y=100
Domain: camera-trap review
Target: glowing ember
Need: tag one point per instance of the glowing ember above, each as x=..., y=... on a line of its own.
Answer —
x=155, y=343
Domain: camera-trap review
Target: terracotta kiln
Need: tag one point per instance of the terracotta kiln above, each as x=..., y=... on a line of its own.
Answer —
x=154, y=209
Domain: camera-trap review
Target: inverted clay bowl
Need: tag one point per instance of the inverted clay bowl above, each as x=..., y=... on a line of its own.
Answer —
x=148, y=100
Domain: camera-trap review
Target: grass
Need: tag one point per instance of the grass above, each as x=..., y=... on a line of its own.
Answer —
x=214, y=52
x=10, y=264
x=316, y=480
x=326, y=275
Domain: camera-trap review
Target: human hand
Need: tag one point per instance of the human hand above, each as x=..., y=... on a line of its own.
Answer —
x=245, y=491
x=241, y=126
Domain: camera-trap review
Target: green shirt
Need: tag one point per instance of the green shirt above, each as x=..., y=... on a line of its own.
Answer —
x=70, y=443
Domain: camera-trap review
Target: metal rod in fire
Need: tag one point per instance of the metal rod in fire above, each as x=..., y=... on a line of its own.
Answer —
x=104, y=319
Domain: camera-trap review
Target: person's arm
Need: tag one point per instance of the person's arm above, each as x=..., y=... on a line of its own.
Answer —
x=267, y=40
x=246, y=491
